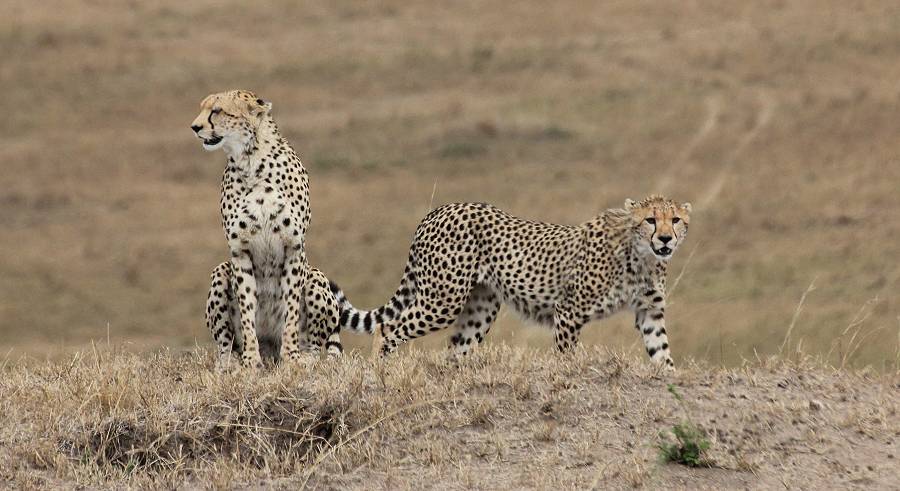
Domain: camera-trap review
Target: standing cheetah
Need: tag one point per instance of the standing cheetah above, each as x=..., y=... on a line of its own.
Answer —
x=466, y=259
x=265, y=215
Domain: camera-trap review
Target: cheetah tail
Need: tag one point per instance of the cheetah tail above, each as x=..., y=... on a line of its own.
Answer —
x=365, y=321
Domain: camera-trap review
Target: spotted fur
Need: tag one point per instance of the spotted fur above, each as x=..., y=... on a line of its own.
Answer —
x=467, y=259
x=265, y=215
x=319, y=316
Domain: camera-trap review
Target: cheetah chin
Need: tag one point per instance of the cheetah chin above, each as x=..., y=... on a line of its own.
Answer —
x=662, y=252
x=214, y=143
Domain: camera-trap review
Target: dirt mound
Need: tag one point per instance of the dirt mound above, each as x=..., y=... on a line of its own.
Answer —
x=289, y=426
x=502, y=418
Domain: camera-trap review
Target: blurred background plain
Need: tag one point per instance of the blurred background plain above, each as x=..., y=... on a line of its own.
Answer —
x=777, y=119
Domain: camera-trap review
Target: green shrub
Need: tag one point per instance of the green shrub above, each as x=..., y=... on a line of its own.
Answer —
x=690, y=442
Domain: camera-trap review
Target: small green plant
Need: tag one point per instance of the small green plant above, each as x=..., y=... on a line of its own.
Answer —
x=688, y=448
x=690, y=442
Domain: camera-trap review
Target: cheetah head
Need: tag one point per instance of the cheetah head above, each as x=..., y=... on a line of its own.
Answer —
x=229, y=119
x=661, y=225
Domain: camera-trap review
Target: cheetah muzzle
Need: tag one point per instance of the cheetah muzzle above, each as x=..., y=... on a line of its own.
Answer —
x=212, y=143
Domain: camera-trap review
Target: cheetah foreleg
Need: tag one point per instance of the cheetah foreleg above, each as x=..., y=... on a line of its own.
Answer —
x=245, y=290
x=650, y=320
x=293, y=288
x=219, y=305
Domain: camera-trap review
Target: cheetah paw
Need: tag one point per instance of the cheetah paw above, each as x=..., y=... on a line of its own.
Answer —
x=664, y=366
x=253, y=364
x=667, y=367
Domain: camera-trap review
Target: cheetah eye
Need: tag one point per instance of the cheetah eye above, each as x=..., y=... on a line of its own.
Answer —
x=676, y=220
x=651, y=221
x=216, y=110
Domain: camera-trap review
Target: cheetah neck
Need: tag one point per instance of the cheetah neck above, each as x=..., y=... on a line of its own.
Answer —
x=257, y=143
x=647, y=266
x=615, y=229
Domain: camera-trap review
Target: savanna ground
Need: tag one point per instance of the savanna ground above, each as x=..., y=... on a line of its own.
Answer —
x=503, y=418
x=776, y=119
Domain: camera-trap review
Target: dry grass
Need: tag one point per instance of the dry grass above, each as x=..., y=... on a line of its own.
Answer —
x=502, y=418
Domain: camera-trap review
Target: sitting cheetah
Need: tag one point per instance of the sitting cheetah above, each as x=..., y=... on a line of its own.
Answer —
x=467, y=258
x=265, y=215
x=319, y=313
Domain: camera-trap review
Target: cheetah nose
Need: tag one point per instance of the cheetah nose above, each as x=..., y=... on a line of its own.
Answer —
x=664, y=238
x=196, y=128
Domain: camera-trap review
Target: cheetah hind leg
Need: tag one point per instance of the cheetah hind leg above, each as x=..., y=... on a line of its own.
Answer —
x=409, y=326
x=377, y=343
x=220, y=312
x=475, y=320
x=322, y=331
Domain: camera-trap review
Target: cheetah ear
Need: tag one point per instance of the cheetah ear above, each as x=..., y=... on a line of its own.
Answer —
x=687, y=208
x=629, y=204
x=260, y=108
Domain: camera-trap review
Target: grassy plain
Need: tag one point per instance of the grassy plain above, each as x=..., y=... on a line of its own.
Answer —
x=778, y=120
